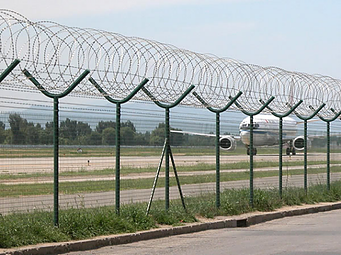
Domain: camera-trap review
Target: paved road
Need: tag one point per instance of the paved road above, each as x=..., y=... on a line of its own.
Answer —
x=301, y=235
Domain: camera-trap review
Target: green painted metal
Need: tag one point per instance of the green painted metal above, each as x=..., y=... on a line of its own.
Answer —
x=118, y=133
x=167, y=136
x=156, y=177
x=251, y=114
x=328, y=121
x=9, y=69
x=281, y=116
x=328, y=155
x=217, y=158
x=280, y=165
x=177, y=179
x=217, y=138
x=167, y=108
x=56, y=98
x=118, y=158
x=55, y=161
x=305, y=119
x=306, y=155
x=251, y=160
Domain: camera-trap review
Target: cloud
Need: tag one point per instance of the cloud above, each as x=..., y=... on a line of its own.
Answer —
x=52, y=9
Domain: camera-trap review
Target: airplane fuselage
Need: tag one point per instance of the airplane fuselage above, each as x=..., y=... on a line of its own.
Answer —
x=266, y=130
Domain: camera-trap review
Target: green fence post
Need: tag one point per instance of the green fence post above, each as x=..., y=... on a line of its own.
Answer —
x=9, y=69
x=167, y=137
x=251, y=114
x=56, y=98
x=167, y=134
x=217, y=137
x=305, y=119
x=118, y=133
x=328, y=121
x=118, y=158
x=56, y=160
x=281, y=116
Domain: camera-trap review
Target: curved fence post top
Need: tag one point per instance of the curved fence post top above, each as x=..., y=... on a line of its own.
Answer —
x=162, y=105
x=221, y=109
x=285, y=114
x=256, y=112
x=115, y=101
x=337, y=114
x=312, y=115
x=9, y=69
x=52, y=95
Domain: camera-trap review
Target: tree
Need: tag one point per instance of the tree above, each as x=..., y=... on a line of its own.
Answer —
x=129, y=124
x=108, y=136
x=68, y=129
x=103, y=125
x=128, y=133
x=157, y=136
x=142, y=139
x=127, y=136
x=32, y=133
x=95, y=138
x=2, y=132
x=72, y=131
x=83, y=129
x=18, y=126
x=46, y=135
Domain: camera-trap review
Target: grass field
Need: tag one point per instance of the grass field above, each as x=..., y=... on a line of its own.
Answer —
x=93, y=185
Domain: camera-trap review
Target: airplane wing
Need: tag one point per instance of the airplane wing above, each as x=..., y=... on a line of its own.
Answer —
x=202, y=134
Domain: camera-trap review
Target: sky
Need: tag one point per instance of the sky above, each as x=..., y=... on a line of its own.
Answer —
x=296, y=35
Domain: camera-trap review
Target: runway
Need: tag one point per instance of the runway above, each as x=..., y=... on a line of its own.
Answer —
x=26, y=203
x=45, y=165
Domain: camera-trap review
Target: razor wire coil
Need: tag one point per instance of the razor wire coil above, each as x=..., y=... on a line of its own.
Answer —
x=56, y=55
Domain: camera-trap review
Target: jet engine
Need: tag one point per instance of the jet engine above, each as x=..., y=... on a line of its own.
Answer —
x=298, y=143
x=227, y=143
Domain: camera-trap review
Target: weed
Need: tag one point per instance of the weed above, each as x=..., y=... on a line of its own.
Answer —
x=19, y=229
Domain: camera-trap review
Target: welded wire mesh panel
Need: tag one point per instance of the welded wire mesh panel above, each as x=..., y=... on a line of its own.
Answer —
x=87, y=154
x=56, y=56
x=26, y=164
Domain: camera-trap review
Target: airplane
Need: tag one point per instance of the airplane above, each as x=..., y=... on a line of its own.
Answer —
x=265, y=133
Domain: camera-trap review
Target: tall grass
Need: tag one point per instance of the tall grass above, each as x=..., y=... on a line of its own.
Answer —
x=19, y=229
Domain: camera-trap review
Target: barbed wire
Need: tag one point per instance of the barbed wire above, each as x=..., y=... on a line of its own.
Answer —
x=56, y=55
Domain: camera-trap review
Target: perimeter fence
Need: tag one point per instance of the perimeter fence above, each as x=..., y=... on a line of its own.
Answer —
x=63, y=62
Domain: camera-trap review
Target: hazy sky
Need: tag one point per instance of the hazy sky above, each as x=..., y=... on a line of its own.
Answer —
x=297, y=35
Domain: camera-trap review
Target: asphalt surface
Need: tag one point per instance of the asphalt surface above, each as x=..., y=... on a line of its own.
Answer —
x=309, y=234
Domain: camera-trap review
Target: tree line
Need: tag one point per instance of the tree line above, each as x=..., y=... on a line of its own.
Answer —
x=73, y=132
